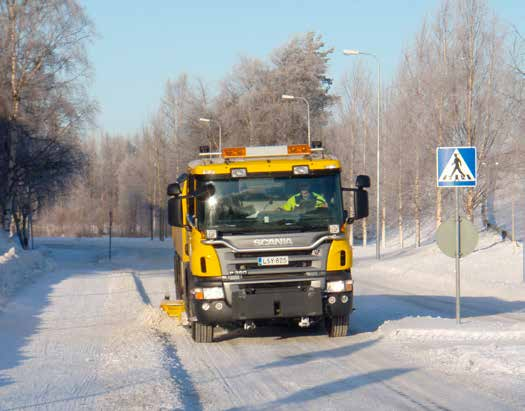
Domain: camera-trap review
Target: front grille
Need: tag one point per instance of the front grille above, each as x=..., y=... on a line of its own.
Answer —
x=253, y=288
x=300, y=263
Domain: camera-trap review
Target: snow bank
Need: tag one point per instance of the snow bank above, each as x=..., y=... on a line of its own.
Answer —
x=18, y=266
x=494, y=269
x=490, y=344
x=443, y=329
x=155, y=318
x=476, y=347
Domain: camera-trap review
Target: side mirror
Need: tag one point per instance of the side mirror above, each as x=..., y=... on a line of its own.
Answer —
x=173, y=190
x=362, y=181
x=360, y=203
x=175, y=212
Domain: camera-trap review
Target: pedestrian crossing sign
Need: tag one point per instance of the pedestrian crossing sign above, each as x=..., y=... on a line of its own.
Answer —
x=456, y=166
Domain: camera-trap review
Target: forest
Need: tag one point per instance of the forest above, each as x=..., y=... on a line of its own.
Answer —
x=461, y=82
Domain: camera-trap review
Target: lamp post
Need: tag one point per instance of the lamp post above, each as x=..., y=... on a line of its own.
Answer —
x=209, y=120
x=289, y=97
x=378, y=203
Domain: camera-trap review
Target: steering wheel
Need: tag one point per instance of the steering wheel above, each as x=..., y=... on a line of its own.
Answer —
x=307, y=205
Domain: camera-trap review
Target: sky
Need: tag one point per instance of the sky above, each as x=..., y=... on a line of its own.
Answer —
x=140, y=45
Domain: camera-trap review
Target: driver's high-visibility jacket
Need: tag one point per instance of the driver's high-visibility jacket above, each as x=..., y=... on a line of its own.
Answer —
x=296, y=200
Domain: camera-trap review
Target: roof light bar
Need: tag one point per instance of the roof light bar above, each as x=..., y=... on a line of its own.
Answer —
x=234, y=152
x=266, y=151
x=299, y=149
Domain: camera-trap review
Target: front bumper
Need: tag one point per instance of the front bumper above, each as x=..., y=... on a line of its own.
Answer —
x=272, y=304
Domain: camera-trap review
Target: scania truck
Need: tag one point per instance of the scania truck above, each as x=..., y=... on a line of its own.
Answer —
x=259, y=236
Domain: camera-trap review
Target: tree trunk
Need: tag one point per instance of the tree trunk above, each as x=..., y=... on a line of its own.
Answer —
x=400, y=217
x=439, y=196
x=364, y=232
x=470, y=101
x=417, y=207
x=364, y=224
x=151, y=220
x=470, y=204
x=161, y=224
x=383, y=225
x=11, y=131
x=513, y=216
x=351, y=172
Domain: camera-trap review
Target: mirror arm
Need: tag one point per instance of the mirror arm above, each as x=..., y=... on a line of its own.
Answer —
x=191, y=221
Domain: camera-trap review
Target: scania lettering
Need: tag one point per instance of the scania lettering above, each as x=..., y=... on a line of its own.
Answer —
x=259, y=237
x=273, y=241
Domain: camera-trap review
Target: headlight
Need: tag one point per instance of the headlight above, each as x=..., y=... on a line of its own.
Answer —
x=213, y=293
x=335, y=286
x=339, y=286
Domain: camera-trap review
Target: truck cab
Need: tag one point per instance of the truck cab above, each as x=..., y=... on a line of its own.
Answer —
x=259, y=236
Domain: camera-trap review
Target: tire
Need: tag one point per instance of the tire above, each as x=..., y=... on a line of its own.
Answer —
x=201, y=333
x=337, y=326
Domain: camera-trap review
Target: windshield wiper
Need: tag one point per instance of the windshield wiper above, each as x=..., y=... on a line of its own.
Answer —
x=285, y=221
x=311, y=226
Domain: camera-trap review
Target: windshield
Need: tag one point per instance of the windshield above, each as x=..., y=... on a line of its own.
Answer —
x=272, y=204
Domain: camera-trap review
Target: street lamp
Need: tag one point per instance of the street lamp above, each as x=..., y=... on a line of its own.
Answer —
x=208, y=120
x=288, y=97
x=378, y=204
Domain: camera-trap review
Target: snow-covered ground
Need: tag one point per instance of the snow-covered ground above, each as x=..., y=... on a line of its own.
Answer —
x=416, y=311
x=88, y=334
x=18, y=266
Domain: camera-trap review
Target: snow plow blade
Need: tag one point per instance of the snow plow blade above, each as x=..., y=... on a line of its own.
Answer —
x=174, y=308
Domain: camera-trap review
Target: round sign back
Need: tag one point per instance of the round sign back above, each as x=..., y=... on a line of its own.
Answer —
x=446, y=237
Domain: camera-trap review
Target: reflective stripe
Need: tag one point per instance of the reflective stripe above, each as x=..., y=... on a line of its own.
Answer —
x=292, y=201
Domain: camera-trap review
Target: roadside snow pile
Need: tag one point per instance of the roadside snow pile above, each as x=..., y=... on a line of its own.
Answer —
x=494, y=269
x=490, y=341
x=442, y=329
x=18, y=266
x=157, y=319
x=472, y=347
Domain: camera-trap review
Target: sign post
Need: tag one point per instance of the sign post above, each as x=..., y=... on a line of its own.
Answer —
x=458, y=254
x=457, y=167
x=110, y=231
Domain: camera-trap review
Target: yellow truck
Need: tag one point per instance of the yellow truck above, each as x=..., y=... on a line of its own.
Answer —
x=259, y=237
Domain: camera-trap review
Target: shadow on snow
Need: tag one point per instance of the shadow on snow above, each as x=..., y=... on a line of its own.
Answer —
x=333, y=387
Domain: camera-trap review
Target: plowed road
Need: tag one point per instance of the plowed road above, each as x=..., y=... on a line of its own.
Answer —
x=87, y=335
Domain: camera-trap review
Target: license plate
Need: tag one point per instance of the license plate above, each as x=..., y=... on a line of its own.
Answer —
x=282, y=260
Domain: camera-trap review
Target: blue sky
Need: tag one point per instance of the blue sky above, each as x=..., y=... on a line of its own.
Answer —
x=142, y=44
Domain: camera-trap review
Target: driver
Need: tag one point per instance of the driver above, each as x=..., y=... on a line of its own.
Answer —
x=304, y=197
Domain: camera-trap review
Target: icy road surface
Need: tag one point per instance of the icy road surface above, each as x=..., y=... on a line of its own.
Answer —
x=88, y=336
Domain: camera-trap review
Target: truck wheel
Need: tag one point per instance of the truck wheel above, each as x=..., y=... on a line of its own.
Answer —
x=337, y=326
x=201, y=333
